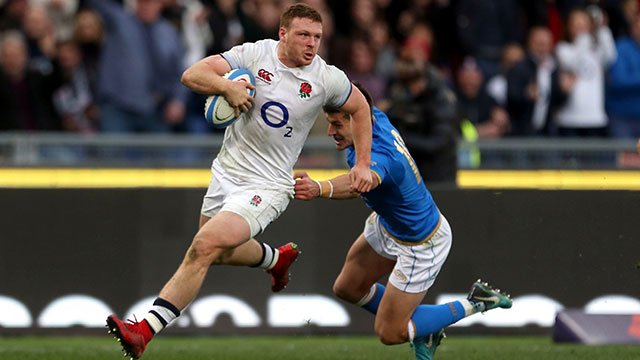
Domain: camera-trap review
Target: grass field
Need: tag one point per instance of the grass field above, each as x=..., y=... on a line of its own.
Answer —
x=304, y=347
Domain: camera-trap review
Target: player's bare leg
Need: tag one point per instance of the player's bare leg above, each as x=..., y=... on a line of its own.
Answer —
x=394, y=313
x=362, y=268
x=223, y=238
x=286, y=255
x=215, y=243
x=396, y=310
x=400, y=316
x=393, y=308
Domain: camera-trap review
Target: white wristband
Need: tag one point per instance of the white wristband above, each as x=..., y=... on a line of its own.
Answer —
x=320, y=187
x=331, y=192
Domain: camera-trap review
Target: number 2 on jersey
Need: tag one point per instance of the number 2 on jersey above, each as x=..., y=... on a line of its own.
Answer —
x=283, y=121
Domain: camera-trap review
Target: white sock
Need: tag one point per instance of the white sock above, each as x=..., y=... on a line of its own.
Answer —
x=365, y=300
x=269, y=257
x=472, y=308
x=412, y=331
x=161, y=315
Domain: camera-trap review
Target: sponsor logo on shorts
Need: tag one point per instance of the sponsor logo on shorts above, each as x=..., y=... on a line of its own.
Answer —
x=371, y=218
x=255, y=200
x=400, y=275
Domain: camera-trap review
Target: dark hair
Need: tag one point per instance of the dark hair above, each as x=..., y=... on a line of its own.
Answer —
x=333, y=110
x=299, y=11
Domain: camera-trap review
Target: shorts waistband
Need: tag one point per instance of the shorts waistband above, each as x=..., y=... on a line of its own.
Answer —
x=435, y=229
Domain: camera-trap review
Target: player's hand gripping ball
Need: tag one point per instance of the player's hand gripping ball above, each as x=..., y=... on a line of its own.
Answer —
x=217, y=110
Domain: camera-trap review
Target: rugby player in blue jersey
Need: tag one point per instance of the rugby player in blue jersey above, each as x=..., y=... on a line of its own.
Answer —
x=406, y=237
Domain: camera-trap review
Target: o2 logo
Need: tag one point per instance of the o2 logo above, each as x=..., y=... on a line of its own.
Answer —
x=282, y=122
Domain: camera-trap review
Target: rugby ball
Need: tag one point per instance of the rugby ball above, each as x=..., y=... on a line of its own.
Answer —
x=217, y=110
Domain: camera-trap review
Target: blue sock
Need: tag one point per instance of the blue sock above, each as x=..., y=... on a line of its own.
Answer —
x=426, y=318
x=430, y=318
x=372, y=299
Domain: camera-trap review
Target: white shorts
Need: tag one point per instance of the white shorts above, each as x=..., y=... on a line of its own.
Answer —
x=257, y=205
x=417, y=266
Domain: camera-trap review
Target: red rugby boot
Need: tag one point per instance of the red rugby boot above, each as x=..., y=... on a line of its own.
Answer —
x=287, y=254
x=132, y=335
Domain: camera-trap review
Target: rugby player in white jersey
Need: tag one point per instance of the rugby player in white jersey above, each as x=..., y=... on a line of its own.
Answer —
x=252, y=182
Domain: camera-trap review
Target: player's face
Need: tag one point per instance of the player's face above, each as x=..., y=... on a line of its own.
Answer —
x=340, y=129
x=299, y=42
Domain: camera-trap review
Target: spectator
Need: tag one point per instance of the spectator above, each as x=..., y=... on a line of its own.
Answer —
x=72, y=99
x=497, y=85
x=423, y=109
x=11, y=14
x=353, y=19
x=485, y=27
x=384, y=49
x=225, y=26
x=587, y=51
x=363, y=16
x=40, y=36
x=260, y=19
x=440, y=15
x=535, y=86
x=623, y=91
x=475, y=104
x=139, y=86
x=417, y=45
x=25, y=94
x=61, y=14
x=361, y=68
x=88, y=35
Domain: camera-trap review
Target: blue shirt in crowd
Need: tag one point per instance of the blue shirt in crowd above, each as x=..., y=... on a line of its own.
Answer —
x=141, y=63
x=623, y=88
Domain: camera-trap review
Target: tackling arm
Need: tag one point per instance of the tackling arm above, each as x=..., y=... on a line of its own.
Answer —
x=361, y=178
x=338, y=188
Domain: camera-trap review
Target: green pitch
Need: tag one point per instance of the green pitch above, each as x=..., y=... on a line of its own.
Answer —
x=304, y=347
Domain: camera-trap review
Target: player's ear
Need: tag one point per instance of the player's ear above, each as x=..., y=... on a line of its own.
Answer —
x=282, y=32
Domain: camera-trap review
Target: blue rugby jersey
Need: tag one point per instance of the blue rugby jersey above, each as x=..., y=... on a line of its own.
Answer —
x=401, y=200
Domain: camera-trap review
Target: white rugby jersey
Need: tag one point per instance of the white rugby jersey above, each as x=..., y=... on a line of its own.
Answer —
x=264, y=145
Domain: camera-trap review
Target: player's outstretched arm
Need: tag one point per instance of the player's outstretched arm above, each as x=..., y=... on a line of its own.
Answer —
x=338, y=188
x=361, y=178
x=205, y=77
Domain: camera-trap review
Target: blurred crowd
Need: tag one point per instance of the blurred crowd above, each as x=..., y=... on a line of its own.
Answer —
x=440, y=68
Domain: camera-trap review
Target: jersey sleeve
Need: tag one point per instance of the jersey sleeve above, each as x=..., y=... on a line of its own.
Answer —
x=239, y=56
x=338, y=87
x=380, y=165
